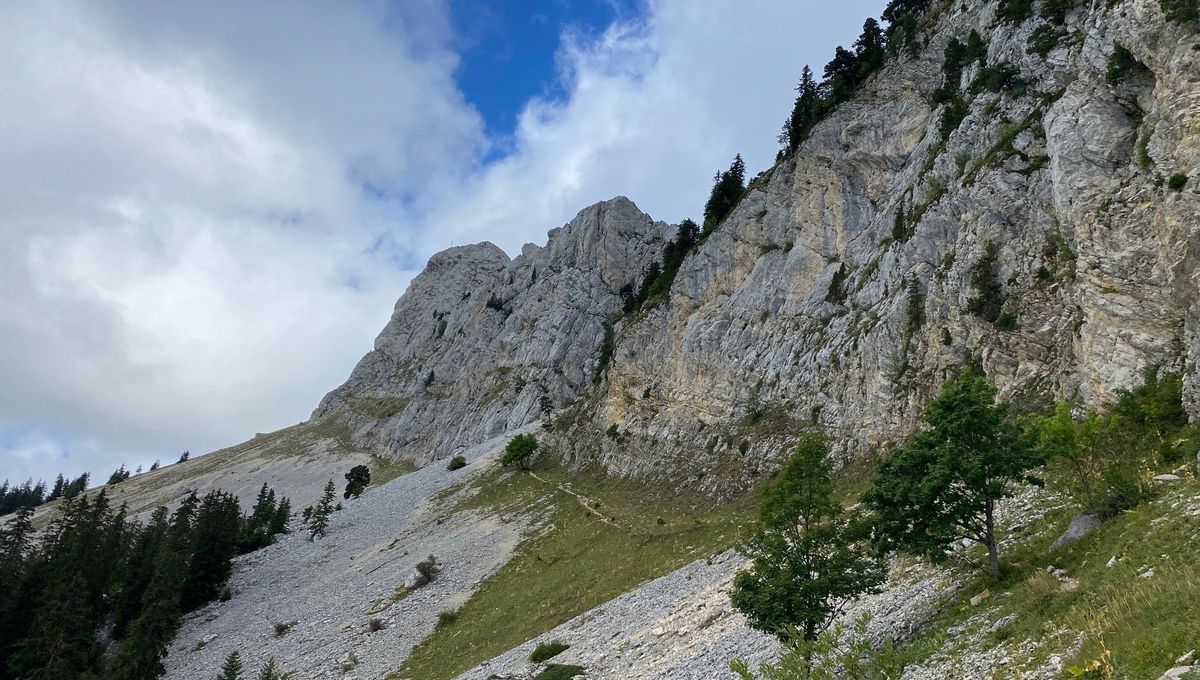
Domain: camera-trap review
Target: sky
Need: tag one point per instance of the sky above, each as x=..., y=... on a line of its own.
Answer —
x=208, y=210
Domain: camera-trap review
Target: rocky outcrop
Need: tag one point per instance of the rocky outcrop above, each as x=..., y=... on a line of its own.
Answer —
x=1038, y=239
x=481, y=344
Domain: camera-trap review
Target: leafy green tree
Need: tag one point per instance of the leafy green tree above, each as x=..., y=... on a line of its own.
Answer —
x=318, y=520
x=357, y=480
x=943, y=485
x=807, y=560
x=232, y=670
x=519, y=450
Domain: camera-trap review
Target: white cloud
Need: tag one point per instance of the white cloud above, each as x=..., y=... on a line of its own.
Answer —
x=208, y=209
x=656, y=105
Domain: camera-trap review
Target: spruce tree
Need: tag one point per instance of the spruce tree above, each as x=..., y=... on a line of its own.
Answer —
x=214, y=542
x=319, y=519
x=232, y=670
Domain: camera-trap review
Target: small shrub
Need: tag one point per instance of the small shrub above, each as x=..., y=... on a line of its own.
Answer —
x=283, y=627
x=1120, y=65
x=226, y=595
x=357, y=480
x=1014, y=11
x=548, y=650
x=946, y=339
x=1180, y=11
x=660, y=521
x=456, y=463
x=375, y=625
x=427, y=571
x=1177, y=182
x=1044, y=39
x=559, y=672
x=447, y=617
x=1007, y=322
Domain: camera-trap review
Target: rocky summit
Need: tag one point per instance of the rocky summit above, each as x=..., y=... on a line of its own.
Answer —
x=569, y=446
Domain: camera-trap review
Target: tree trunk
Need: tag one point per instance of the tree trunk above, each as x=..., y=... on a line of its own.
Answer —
x=993, y=554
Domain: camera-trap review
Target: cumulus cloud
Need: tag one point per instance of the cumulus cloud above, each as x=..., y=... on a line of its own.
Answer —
x=192, y=198
x=654, y=106
x=208, y=209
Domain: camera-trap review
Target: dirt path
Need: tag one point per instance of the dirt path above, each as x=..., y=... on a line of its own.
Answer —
x=583, y=500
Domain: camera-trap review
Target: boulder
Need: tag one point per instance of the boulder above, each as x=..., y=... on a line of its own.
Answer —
x=1081, y=526
x=1167, y=479
x=1178, y=672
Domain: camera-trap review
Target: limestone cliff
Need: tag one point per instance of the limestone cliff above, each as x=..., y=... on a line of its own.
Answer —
x=481, y=344
x=1039, y=237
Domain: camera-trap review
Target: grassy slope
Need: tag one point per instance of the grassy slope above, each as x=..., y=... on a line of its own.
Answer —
x=1114, y=624
x=576, y=562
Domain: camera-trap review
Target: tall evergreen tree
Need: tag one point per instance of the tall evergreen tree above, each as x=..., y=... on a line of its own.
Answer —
x=319, y=520
x=214, y=543
x=869, y=49
x=726, y=192
x=805, y=112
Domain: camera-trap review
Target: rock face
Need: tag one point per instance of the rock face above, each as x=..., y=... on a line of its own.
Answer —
x=1037, y=239
x=481, y=344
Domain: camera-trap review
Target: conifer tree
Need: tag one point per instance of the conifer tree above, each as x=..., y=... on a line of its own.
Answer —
x=805, y=112
x=232, y=670
x=214, y=542
x=726, y=192
x=319, y=519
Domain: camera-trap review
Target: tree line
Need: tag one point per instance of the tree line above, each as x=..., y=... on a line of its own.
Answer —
x=849, y=69
x=31, y=495
x=97, y=594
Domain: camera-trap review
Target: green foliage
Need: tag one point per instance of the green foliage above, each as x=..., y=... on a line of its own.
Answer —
x=1003, y=77
x=271, y=672
x=728, y=188
x=357, y=480
x=232, y=670
x=1121, y=64
x=457, y=463
x=901, y=231
x=1177, y=182
x=943, y=484
x=1014, y=11
x=989, y=301
x=519, y=450
x=446, y=618
x=214, y=543
x=837, y=286
x=548, y=650
x=806, y=112
x=952, y=115
x=1045, y=38
x=946, y=339
x=559, y=672
x=1180, y=11
x=834, y=655
x=658, y=278
x=807, y=561
x=902, y=17
x=318, y=519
